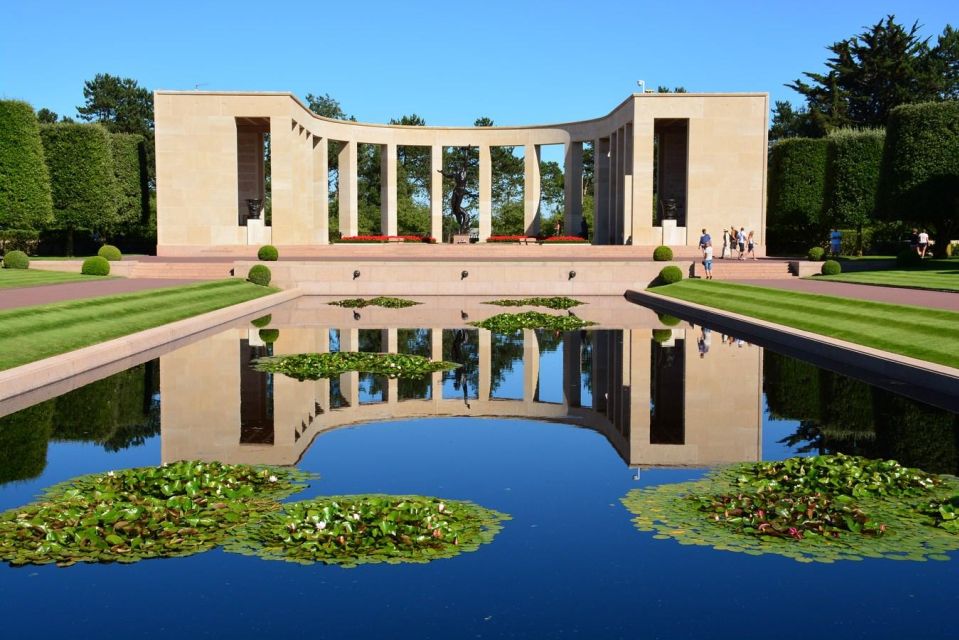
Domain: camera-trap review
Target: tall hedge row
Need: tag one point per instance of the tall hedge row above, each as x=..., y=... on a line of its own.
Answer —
x=130, y=170
x=920, y=168
x=25, y=200
x=852, y=176
x=80, y=160
x=796, y=186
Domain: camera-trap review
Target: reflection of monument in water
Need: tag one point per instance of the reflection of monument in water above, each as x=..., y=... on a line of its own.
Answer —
x=657, y=401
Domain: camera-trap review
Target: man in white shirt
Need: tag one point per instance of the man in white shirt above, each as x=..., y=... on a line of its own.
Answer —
x=708, y=261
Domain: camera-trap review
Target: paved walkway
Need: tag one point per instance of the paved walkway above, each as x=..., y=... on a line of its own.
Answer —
x=893, y=295
x=47, y=293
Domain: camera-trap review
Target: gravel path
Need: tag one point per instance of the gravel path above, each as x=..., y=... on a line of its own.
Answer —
x=893, y=295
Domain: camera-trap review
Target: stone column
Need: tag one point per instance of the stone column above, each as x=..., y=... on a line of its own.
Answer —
x=601, y=191
x=485, y=193
x=282, y=143
x=436, y=353
x=531, y=189
x=622, y=189
x=530, y=366
x=392, y=384
x=628, y=212
x=348, y=196
x=485, y=364
x=615, y=188
x=304, y=185
x=436, y=192
x=388, y=189
x=573, y=188
x=321, y=192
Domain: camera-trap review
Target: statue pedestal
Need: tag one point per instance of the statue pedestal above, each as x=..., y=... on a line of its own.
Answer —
x=256, y=231
x=461, y=238
x=672, y=234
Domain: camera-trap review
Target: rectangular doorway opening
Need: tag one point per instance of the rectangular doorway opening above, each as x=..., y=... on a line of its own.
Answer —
x=253, y=170
x=670, y=170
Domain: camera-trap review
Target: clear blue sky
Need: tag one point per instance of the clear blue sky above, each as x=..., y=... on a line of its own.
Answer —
x=516, y=62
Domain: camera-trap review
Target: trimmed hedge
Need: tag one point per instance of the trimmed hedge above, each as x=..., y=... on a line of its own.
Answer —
x=920, y=166
x=662, y=254
x=816, y=254
x=662, y=335
x=130, y=172
x=25, y=199
x=110, y=252
x=831, y=268
x=25, y=240
x=16, y=260
x=95, y=266
x=796, y=187
x=268, y=253
x=80, y=160
x=668, y=320
x=260, y=274
x=852, y=176
x=23, y=442
x=670, y=274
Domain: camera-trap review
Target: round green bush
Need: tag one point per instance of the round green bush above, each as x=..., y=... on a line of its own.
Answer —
x=259, y=274
x=268, y=253
x=662, y=254
x=831, y=268
x=16, y=260
x=95, y=266
x=908, y=258
x=262, y=321
x=662, y=335
x=668, y=320
x=670, y=274
x=269, y=336
x=816, y=254
x=110, y=252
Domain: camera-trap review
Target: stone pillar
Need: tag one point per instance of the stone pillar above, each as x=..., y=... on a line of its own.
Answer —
x=348, y=196
x=350, y=382
x=436, y=353
x=572, y=368
x=628, y=237
x=531, y=190
x=573, y=188
x=530, y=366
x=321, y=192
x=485, y=193
x=601, y=191
x=388, y=189
x=392, y=384
x=485, y=364
x=436, y=192
x=282, y=143
x=621, y=185
x=304, y=185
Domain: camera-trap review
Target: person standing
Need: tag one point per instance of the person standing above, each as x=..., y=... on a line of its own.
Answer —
x=923, y=243
x=705, y=240
x=741, y=242
x=835, y=241
x=708, y=261
x=726, y=240
x=750, y=245
x=914, y=241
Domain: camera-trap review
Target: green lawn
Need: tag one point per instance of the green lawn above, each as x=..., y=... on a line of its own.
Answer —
x=935, y=274
x=30, y=277
x=33, y=333
x=927, y=334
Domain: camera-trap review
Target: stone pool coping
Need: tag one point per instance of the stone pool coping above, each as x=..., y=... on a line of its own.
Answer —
x=940, y=383
x=38, y=374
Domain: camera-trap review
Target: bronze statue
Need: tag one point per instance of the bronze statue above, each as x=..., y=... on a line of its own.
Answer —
x=460, y=192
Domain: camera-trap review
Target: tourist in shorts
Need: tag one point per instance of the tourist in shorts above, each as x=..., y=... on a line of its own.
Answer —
x=923, y=243
x=741, y=239
x=708, y=261
x=751, y=245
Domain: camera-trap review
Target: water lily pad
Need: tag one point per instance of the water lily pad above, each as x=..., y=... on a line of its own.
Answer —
x=379, y=301
x=553, y=302
x=364, y=529
x=510, y=322
x=314, y=366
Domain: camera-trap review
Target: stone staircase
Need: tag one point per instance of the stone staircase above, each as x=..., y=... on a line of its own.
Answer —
x=182, y=270
x=763, y=269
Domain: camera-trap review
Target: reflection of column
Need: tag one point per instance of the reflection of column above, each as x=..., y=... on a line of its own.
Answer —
x=350, y=382
x=530, y=366
x=601, y=191
x=392, y=384
x=531, y=189
x=600, y=365
x=573, y=188
x=388, y=189
x=348, y=201
x=321, y=191
x=322, y=388
x=639, y=392
x=436, y=192
x=485, y=364
x=436, y=353
x=572, y=368
x=485, y=193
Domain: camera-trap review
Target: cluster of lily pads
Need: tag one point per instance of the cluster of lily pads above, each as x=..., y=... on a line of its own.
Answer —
x=353, y=530
x=189, y=507
x=379, y=301
x=816, y=509
x=314, y=366
x=510, y=322
x=553, y=302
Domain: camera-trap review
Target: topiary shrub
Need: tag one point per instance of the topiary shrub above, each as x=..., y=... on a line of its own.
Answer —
x=259, y=274
x=16, y=260
x=269, y=336
x=662, y=254
x=670, y=274
x=797, y=182
x=95, y=266
x=831, y=268
x=268, y=253
x=25, y=200
x=908, y=258
x=816, y=254
x=262, y=321
x=668, y=320
x=131, y=168
x=110, y=252
x=662, y=335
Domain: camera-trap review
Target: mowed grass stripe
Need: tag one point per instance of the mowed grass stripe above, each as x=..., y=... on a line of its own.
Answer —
x=909, y=335
x=111, y=318
x=11, y=278
x=41, y=317
x=942, y=280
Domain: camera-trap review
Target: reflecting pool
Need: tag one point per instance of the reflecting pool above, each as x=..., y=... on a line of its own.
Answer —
x=551, y=428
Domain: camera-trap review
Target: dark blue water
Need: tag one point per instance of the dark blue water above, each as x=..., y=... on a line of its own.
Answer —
x=568, y=564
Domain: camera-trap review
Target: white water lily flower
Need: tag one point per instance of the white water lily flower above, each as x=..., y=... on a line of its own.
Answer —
x=111, y=474
x=441, y=507
x=321, y=525
x=272, y=478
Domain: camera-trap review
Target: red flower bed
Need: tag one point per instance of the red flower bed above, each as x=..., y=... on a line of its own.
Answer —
x=506, y=238
x=565, y=239
x=426, y=239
